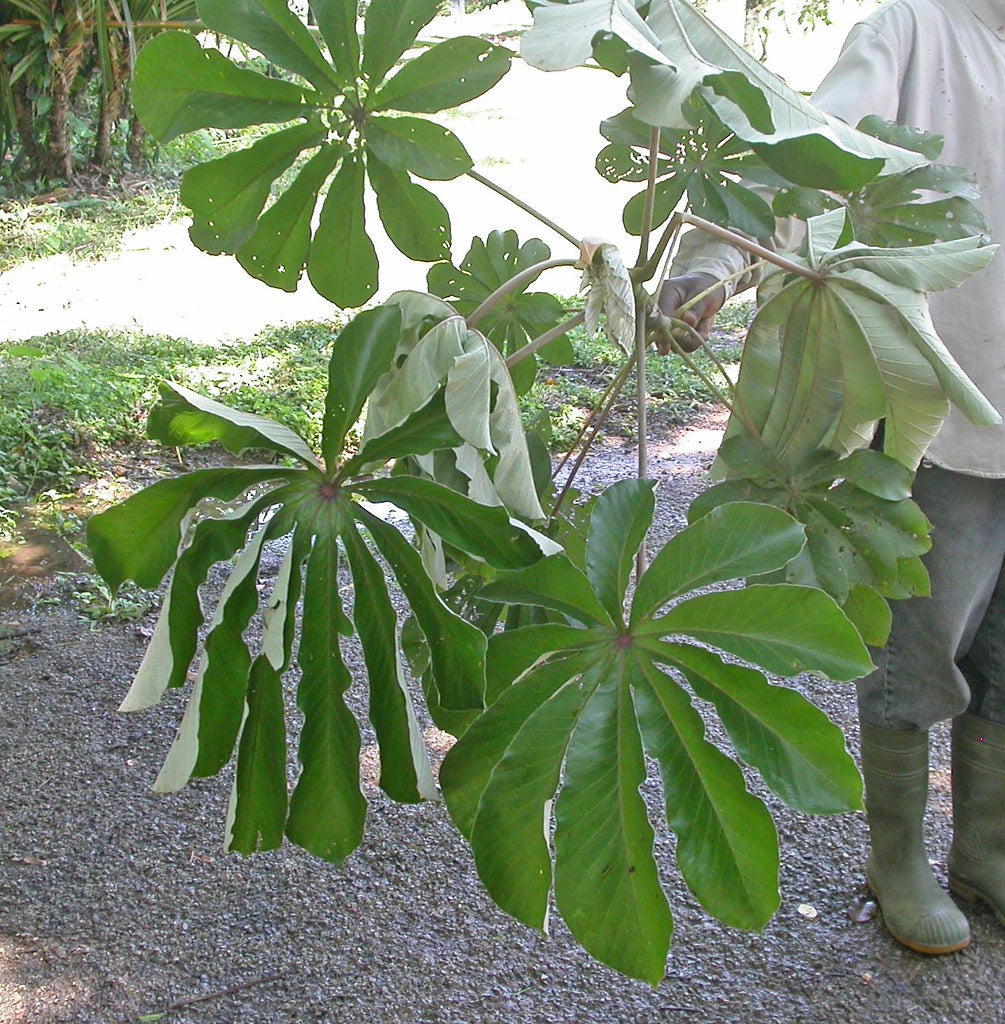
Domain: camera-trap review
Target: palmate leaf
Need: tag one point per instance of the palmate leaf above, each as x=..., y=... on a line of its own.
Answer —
x=179, y=87
x=235, y=706
x=785, y=130
x=481, y=403
x=890, y=211
x=610, y=293
x=350, y=128
x=864, y=536
x=226, y=196
x=448, y=74
x=183, y=417
x=826, y=359
x=327, y=810
x=518, y=318
x=271, y=28
x=676, y=52
x=588, y=699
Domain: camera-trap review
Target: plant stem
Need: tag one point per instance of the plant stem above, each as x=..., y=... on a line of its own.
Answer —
x=545, y=339
x=642, y=421
x=747, y=245
x=599, y=418
x=647, y=213
x=594, y=412
x=547, y=221
x=731, y=404
x=521, y=280
x=647, y=269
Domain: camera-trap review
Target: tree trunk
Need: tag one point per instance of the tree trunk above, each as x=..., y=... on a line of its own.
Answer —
x=58, y=152
x=110, y=110
x=137, y=136
x=755, y=30
x=24, y=122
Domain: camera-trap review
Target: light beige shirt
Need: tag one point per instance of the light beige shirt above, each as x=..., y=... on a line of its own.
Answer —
x=938, y=65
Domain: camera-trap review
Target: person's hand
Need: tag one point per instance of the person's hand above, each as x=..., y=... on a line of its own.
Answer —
x=674, y=293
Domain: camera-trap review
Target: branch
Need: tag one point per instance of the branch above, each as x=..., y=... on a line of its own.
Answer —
x=597, y=418
x=747, y=245
x=642, y=420
x=547, y=221
x=521, y=280
x=647, y=213
x=545, y=339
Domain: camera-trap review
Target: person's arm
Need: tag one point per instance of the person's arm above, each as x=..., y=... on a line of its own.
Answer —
x=864, y=80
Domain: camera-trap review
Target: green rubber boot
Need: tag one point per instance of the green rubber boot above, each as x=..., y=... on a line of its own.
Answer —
x=917, y=911
x=977, y=856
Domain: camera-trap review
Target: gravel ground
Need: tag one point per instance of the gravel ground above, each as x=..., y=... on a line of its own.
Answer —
x=116, y=904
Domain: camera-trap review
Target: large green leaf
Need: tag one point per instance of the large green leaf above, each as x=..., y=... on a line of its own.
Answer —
x=179, y=87
x=405, y=774
x=727, y=848
x=256, y=818
x=446, y=75
x=278, y=247
x=580, y=704
x=485, y=532
x=785, y=629
x=799, y=752
x=336, y=20
x=138, y=540
x=361, y=355
x=342, y=264
x=226, y=196
x=553, y=583
x=531, y=730
x=618, y=528
x=270, y=27
x=327, y=809
x=182, y=417
x=391, y=28
x=607, y=885
x=216, y=705
x=456, y=648
x=413, y=144
x=173, y=645
x=414, y=219
x=732, y=541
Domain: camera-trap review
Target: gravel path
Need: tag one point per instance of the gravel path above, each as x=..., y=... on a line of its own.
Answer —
x=116, y=903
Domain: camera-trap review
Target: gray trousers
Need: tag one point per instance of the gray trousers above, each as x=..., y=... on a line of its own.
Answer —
x=946, y=653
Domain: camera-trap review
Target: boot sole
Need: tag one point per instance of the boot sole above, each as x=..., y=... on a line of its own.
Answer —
x=917, y=947
x=972, y=894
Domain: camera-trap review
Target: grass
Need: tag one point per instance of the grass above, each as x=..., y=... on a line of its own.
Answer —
x=73, y=405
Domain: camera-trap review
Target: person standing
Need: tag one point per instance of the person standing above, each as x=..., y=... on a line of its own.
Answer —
x=938, y=65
